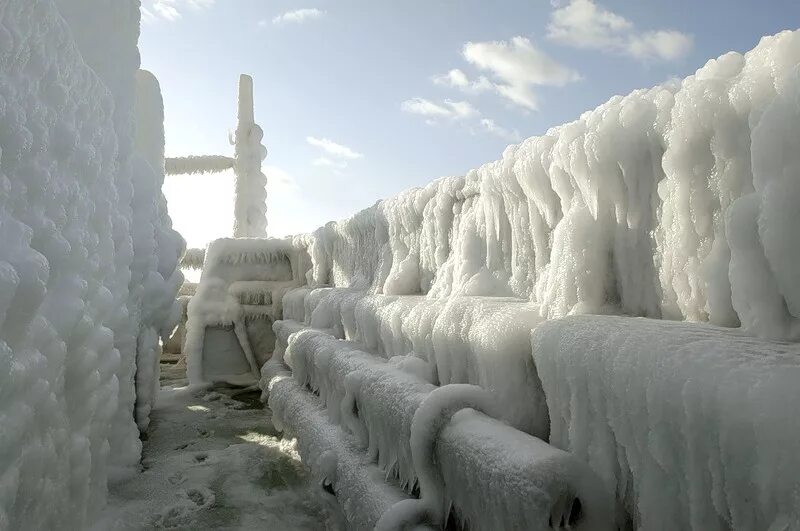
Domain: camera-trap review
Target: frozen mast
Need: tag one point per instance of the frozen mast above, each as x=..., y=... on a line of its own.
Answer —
x=250, y=210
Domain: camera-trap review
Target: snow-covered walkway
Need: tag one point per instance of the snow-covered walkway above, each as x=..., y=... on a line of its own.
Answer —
x=213, y=461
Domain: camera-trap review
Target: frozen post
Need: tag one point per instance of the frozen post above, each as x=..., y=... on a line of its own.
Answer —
x=250, y=188
x=250, y=210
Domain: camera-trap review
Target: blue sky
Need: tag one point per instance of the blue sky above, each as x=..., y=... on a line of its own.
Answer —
x=360, y=99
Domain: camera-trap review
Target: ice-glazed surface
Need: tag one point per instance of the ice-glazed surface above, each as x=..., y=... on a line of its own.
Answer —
x=250, y=210
x=155, y=275
x=393, y=417
x=361, y=488
x=497, y=477
x=692, y=424
x=87, y=257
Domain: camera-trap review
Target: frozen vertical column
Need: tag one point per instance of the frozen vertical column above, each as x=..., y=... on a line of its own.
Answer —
x=250, y=210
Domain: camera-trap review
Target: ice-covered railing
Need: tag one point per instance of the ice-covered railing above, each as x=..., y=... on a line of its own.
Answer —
x=250, y=188
x=626, y=209
x=87, y=256
x=424, y=438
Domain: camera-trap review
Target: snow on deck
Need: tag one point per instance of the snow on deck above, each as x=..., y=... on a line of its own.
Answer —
x=213, y=461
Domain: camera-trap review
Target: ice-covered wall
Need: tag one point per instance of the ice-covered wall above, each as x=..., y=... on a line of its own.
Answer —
x=87, y=257
x=626, y=209
x=155, y=274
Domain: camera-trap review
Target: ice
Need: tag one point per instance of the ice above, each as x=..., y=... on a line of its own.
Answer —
x=676, y=202
x=154, y=274
x=87, y=257
x=194, y=164
x=240, y=293
x=478, y=340
x=514, y=480
x=400, y=420
x=361, y=489
x=250, y=210
x=688, y=422
x=621, y=211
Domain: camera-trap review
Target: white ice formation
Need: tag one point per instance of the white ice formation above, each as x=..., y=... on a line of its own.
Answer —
x=677, y=204
x=87, y=256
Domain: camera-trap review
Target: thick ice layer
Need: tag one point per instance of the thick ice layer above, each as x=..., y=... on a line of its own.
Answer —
x=361, y=488
x=87, y=257
x=497, y=477
x=155, y=276
x=404, y=424
x=250, y=210
x=621, y=211
x=477, y=340
x=198, y=164
x=373, y=400
x=693, y=425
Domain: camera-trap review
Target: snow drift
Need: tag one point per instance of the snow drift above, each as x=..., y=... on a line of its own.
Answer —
x=87, y=256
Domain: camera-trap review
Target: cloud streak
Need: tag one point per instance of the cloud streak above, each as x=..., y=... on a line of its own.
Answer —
x=170, y=10
x=298, y=16
x=334, y=155
x=450, y=110
x=456, y=112
x=513, y=69
x=516, y=67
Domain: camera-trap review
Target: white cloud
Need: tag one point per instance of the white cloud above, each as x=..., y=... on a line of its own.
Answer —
x=333, y=149
x=584, y=24
x=298, y=16
x=587, y=25
x=450, y=110
x=334, y=156
x=663, y=44
x=491, y=126
x=170, y=10
x=457, y=112
x=458, y=79
x=517, y=66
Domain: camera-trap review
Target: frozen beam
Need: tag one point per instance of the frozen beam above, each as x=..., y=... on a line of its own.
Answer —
x=194, y=164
